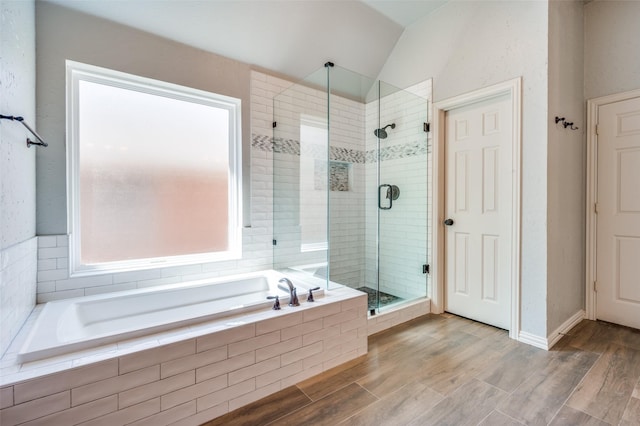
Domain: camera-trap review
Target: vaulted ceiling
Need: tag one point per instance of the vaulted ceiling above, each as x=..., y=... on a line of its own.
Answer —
x=287, y=36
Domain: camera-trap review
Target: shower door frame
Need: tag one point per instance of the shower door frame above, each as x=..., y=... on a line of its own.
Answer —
x=513, y=88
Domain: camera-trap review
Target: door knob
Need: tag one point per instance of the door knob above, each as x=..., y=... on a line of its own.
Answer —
x=448, y=222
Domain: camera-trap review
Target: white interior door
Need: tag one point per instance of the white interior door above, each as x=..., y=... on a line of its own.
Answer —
x=618, y=218
x=479, y=179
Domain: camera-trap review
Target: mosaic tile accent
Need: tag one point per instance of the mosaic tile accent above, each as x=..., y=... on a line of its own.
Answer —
x=286, y=146
x=394, y=152
x=339, y=176
x=262, y=142
x=292, y=146
x=347, y=155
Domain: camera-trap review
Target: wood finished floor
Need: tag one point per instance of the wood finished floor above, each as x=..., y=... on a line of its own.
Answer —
x=447, y=370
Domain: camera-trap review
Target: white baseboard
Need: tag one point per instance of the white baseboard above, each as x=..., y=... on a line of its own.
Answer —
x=533, y=340
x=565, y=327
x=547, y=343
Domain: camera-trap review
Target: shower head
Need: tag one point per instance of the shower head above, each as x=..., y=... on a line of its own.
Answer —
x=382, y=133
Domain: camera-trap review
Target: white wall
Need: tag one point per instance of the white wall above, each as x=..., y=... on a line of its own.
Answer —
x=17, y=168
x=465, y=46
x=566, y=164
x=611, y=46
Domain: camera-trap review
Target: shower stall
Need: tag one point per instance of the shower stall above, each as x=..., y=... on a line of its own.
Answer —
x=351, y=179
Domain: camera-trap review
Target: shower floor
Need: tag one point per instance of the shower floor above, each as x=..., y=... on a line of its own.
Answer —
x=385, y=298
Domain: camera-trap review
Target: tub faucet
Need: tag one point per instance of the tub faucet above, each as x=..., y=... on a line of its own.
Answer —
x=293, y=296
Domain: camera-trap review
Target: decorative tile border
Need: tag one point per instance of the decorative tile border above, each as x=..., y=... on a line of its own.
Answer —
x=292, y=146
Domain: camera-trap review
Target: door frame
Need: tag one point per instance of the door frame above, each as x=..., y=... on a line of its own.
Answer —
x=593, y=106
x=512, y=88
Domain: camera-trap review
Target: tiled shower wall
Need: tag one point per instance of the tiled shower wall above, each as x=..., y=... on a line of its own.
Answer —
x=347, y=156
x=17, y=288
x=406, y=158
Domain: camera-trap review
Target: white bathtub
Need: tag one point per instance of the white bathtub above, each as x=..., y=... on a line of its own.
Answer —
x=85, y=322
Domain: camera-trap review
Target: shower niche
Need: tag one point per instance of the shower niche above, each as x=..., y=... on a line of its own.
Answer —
x=351, y=184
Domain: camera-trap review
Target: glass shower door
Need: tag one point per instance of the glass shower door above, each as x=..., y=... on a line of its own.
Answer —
x=402, y=195
x=300, y=175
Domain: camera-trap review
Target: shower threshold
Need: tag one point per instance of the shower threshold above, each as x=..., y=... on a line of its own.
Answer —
x=385, y=298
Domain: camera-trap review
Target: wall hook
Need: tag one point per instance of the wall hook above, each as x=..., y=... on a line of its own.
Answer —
x=566, y=124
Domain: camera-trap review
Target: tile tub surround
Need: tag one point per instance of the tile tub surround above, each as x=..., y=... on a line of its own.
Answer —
x=190, y=375
x=17, y=288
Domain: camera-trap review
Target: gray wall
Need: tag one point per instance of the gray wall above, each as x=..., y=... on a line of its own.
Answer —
x=18, y=246
x=465, y=46
x=65, y=34
x=612, y=47
x=566, y=164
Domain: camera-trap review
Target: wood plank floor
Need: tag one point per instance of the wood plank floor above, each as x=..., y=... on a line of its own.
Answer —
x=447, y=370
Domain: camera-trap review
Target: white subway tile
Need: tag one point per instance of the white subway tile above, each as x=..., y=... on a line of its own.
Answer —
x=127, y=415
x=156, y=389
x=191, y=393
x=253, y=396
x=79, y=414
x=126, y=277
x=278, y=374
x=6, y=397
x=46, y=287
x=194, y=361
x=62, y=263
x=304, y=352
x=278, y=348
x=341, y=317
x=89, y=291
x=204, y=416
x=219, y=368
x=52, y=275
x=65, y=380
x=253, y=370
x=159, y=355
x=169, y=416
x=47, y=241
x=83, y=282
x=254, y=343
x=114, y=385
x=34, y=409
x=320, y=335
x=53, y=252
x=62, y=241
x=279, y=323
x=301, y=329
x=321, y=311
x=215, y=398
x=303, y=375
x=47, y=264
x=226, y=337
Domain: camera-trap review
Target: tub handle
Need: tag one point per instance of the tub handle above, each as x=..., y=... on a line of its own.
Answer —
x=310, y=297
x=276, y=304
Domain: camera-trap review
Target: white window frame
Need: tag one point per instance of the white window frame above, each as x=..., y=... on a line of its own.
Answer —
x=76, y=72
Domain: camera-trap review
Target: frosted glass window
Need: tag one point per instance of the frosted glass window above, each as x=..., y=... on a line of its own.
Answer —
x=154, y=172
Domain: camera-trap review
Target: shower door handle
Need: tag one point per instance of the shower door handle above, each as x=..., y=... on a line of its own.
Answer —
x=388, y=189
